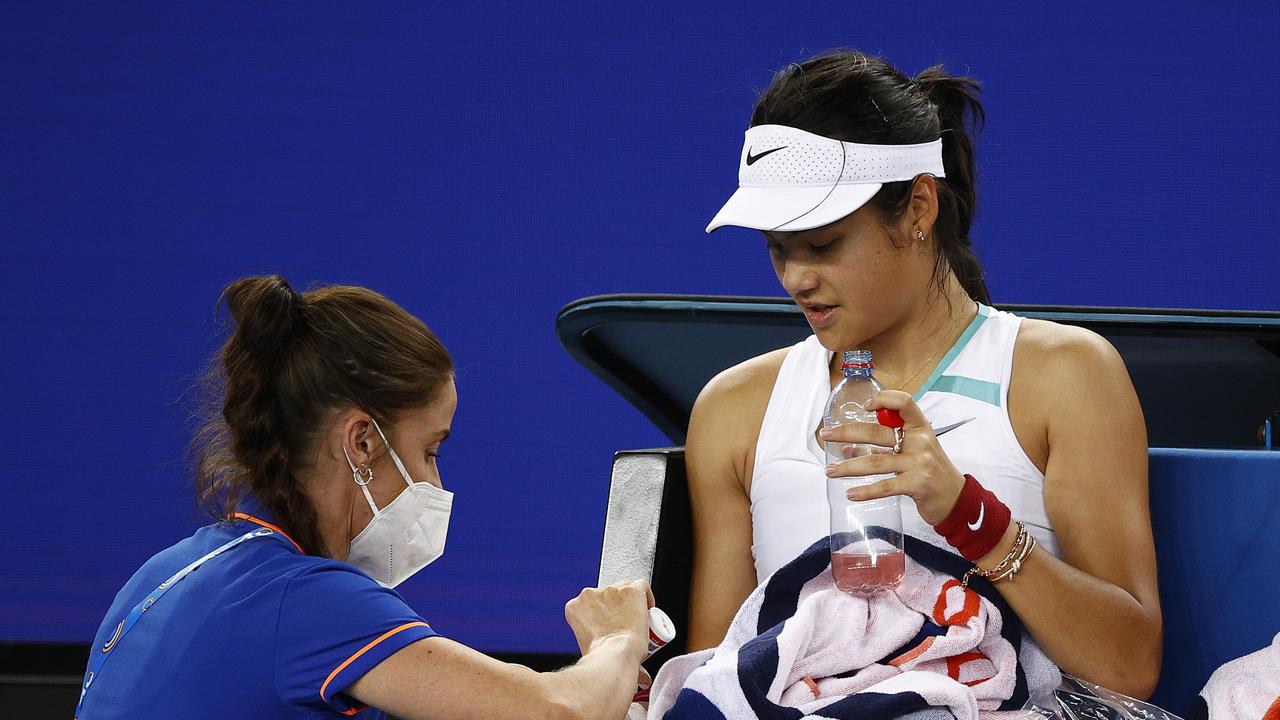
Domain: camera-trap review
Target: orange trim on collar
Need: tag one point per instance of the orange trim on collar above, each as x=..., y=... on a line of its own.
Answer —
x=265, y=524
x=360, y=652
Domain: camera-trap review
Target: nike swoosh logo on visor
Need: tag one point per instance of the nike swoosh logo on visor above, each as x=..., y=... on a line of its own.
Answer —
x=982, y=511
x=751, y=159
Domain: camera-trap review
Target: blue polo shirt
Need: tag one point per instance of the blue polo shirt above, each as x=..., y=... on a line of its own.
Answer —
x=259, y=631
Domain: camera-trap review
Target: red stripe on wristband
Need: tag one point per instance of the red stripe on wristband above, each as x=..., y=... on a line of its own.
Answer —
x=977, y=522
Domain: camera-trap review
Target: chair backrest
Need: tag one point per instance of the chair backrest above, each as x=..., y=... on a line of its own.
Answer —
x=1213, y=513
x=659, y=351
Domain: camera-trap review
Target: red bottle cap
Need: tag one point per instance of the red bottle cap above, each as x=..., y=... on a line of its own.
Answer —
x=889, y=418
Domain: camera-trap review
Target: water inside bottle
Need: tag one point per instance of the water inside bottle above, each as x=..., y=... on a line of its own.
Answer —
x=868, y=571
x=866, y=548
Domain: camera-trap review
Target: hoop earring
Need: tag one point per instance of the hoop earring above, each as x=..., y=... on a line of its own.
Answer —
x=363, y=475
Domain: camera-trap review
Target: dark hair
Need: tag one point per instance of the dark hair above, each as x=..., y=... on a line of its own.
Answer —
x=852, y=97
x=291, y=360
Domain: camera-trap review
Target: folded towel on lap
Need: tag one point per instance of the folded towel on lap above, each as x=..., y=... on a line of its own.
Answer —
x=800, y=647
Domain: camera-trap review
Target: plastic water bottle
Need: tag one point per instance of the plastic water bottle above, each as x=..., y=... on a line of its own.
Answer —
x=866, y=537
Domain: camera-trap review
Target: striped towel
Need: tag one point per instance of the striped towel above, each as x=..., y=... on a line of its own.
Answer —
x=800, y=647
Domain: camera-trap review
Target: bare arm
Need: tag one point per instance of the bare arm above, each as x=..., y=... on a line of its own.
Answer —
x=438, y=679
x=1096, y=612
x=723, y=429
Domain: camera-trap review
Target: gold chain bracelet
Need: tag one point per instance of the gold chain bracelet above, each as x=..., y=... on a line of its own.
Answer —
x=1023, y=544
x=1017, y=563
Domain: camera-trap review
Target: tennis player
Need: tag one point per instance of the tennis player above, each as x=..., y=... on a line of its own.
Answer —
x=861, y=183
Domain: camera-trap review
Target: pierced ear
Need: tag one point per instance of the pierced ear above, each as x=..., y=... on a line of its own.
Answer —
x=356, y=428
x=924, y=204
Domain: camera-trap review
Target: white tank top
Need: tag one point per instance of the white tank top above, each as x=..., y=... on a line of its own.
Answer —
x=788, y=482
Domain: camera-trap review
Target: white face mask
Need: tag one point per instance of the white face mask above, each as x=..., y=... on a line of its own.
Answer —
x=405, y=536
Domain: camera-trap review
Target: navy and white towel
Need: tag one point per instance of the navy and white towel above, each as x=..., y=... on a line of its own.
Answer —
x=800, y=647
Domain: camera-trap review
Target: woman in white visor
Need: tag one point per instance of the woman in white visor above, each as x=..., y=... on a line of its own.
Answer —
x=318, y=466
x=860, y=181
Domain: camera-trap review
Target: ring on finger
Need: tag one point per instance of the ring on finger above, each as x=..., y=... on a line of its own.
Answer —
x=898, y=436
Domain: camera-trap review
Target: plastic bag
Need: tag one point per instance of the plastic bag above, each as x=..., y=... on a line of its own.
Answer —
x=1077, y=699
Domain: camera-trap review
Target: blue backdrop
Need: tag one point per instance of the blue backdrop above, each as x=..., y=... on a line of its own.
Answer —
x=485, y=163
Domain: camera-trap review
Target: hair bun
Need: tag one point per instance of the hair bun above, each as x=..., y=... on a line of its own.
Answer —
x=266, y=311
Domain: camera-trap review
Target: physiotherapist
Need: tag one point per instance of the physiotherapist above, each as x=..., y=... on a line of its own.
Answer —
x=320, y=472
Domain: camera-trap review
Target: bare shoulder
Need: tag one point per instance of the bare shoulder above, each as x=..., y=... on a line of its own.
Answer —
x=725, y=422
x=748, y=379
x=1067, y=378
x=1057, y=351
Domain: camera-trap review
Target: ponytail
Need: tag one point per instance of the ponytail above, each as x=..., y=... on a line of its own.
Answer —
x=959, y=113
x=268, y=315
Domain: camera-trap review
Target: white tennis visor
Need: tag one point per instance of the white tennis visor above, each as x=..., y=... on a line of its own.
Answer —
x=790, y=180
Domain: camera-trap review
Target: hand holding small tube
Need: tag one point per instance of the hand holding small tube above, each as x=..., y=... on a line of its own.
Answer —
x=620, y=609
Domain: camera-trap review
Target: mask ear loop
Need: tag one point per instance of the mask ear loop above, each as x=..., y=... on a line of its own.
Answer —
x=394, y=457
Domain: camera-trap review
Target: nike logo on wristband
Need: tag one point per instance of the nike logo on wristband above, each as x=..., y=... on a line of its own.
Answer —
x=982, y=511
